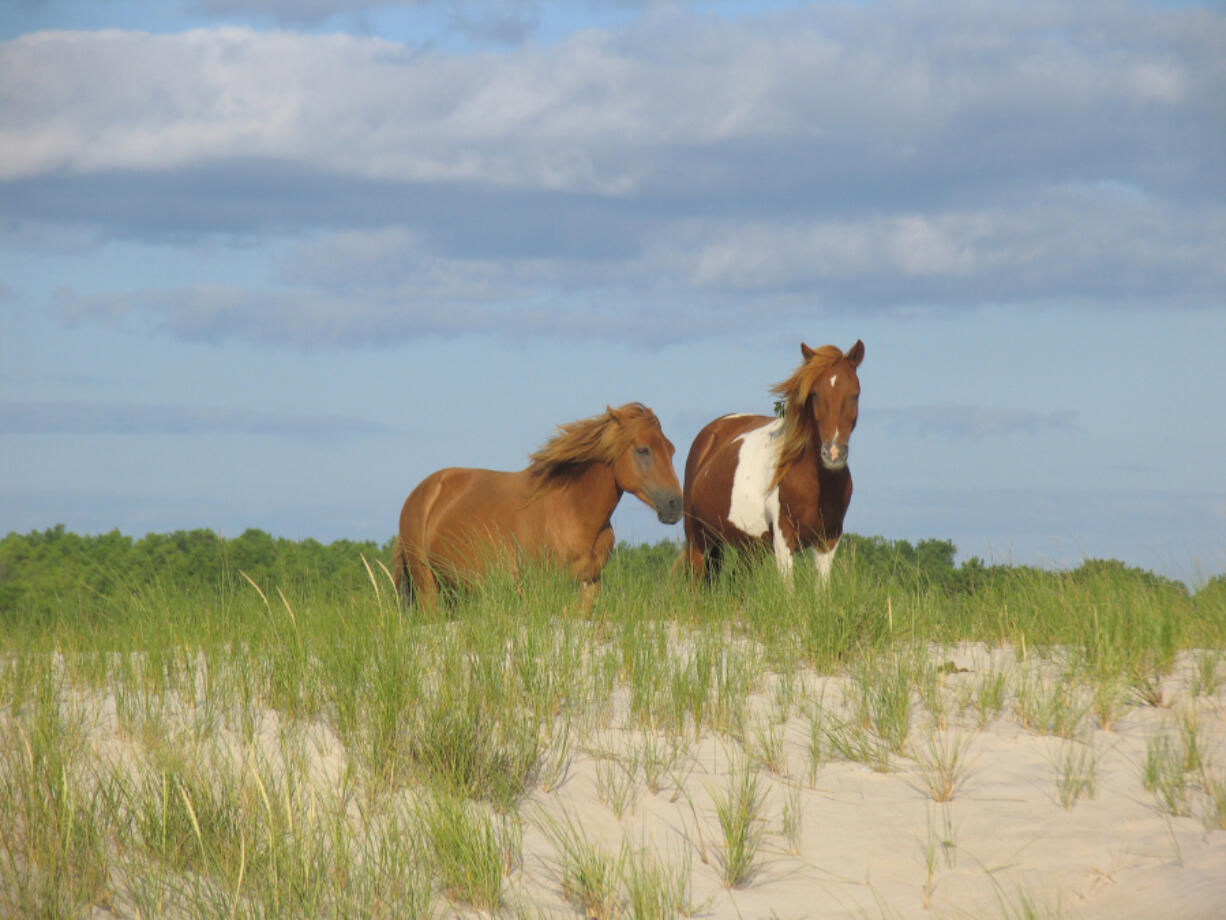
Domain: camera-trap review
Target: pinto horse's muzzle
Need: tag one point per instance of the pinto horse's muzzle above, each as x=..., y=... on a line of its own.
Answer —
x=834, y=455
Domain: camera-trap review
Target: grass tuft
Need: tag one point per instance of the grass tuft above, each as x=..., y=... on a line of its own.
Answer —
x=739, y=811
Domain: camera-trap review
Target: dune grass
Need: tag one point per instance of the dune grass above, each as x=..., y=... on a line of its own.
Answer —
x=266, y=751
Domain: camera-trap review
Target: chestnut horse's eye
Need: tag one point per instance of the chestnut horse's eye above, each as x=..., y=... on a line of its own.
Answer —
x=643, y=450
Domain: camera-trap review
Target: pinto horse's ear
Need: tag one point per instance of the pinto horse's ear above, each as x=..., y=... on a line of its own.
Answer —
x=855, y=354
x=806, y=352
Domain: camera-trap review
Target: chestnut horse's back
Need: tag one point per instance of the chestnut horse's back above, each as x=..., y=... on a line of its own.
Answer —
x=458, y=522
x=449, y=521
x=411, y=561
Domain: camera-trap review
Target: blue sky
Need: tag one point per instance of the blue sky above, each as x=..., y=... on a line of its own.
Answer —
x=268, y=263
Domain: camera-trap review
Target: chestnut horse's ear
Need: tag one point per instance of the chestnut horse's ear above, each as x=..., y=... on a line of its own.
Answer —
x=806, y=352
x=855, y=354
x=614, y=414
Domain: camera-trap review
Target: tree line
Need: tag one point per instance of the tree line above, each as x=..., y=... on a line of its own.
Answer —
x=57, y=571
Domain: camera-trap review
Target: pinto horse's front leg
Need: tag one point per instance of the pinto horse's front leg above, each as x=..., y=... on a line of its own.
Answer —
x=823, y=561
x=783, y=552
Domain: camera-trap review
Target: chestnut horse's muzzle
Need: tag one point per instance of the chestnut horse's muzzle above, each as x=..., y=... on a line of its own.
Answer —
x=668, y=506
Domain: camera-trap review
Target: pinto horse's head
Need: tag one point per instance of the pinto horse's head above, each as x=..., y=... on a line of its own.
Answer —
x=644, y=468
x=835, y=403
x=822, y=405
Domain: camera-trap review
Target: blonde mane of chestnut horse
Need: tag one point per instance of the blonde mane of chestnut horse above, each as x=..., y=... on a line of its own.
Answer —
x=459, y=522
x=599, y=439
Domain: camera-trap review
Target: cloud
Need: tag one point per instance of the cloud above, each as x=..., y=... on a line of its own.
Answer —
x=508, y=21
x=1086, y=243
x=973, y=422
x=291, y=11
x=884, y=93
x=393, y=284
x=312, y=320
x=620, y=182
x=77, y=418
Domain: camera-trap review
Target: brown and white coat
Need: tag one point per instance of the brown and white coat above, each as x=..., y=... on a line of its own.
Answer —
x=781, y=483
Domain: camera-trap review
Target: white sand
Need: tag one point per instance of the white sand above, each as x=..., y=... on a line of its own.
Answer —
x=864, y=835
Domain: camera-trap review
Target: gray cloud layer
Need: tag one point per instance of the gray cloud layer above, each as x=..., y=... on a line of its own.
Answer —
x=970, y=421
x=491, y=20
x=852, y=157
x=75, y=418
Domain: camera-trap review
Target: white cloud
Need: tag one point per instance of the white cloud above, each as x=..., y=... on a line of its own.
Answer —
x=1159, y=82
x=1077, y=242
x=877, y=156
x=591, y=112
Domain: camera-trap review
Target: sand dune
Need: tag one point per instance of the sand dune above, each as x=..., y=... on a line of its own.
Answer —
x=852, y=838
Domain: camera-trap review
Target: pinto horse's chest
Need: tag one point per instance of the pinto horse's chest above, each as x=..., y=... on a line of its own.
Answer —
x=800, y=504
x=753, y=506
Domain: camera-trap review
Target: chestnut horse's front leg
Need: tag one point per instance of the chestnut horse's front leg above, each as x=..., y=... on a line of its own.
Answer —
x=587, y=568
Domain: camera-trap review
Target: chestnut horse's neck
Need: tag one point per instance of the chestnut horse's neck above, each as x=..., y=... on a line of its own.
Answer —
x=589, y=490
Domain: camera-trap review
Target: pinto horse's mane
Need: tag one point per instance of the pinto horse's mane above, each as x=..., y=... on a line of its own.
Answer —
x=799, y=428
x=599, y=439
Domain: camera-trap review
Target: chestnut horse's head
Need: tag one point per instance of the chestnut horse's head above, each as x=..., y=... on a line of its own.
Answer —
x=644, y=467
x=630, y=441
x=822, y=405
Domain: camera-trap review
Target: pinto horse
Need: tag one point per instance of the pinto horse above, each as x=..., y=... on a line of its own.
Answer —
x=458, y=522
x=778, y=482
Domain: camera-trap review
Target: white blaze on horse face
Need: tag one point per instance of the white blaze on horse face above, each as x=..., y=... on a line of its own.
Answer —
x=754, y=506
x=834, y=446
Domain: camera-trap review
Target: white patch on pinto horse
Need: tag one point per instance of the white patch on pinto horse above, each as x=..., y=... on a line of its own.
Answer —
x=754, y=506
x=824, y=562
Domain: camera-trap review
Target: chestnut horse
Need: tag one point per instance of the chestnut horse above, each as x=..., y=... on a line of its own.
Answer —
x=778, y=482
x=458, y=523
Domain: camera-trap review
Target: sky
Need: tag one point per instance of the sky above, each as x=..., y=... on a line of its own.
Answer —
x=268, y=263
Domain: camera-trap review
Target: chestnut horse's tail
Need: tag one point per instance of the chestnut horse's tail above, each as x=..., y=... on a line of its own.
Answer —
x=400, y=572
